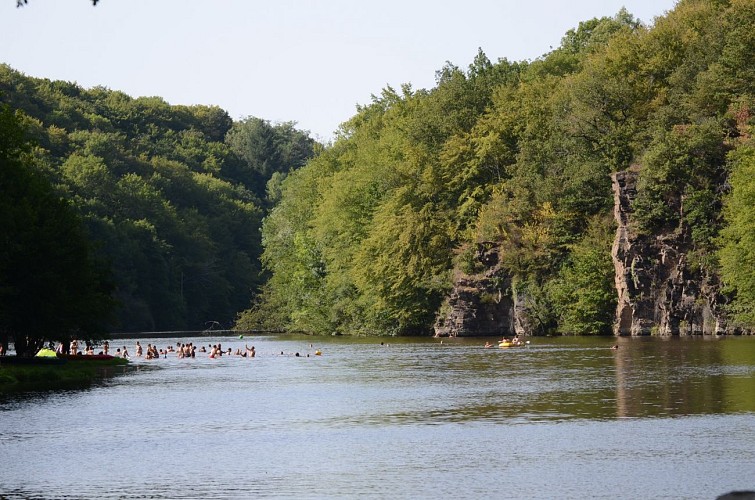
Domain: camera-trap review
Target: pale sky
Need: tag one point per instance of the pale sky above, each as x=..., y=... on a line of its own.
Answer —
x=309, y=61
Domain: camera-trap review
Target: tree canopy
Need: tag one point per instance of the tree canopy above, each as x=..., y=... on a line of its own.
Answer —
x=366, y=235
x=172, y=197
x=51, y=285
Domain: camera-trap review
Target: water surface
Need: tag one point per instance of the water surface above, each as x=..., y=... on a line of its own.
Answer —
x=561, y=418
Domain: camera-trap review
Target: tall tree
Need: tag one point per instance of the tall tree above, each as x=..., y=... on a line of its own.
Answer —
x=737, y=252
x=50, y=286
x=266, y=149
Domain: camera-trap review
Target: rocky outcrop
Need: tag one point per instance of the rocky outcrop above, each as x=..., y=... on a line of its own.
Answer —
x=479, y=304
x=658, y=290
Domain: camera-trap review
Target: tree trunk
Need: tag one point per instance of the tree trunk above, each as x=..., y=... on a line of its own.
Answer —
x=27, y=346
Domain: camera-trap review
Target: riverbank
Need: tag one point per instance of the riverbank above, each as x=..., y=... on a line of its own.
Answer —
x=191, y=333
x=42, y=377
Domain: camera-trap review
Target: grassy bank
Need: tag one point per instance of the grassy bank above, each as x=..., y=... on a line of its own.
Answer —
x=73, y=374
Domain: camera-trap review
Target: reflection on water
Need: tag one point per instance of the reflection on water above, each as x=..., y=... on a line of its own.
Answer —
x=685, y=377
x=562, y=418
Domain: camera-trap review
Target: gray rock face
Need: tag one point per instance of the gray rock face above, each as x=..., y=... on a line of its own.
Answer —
x=658, y=291
x=478, y=304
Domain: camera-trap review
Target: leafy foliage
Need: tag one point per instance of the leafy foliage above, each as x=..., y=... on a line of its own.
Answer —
x=51, y=286
x=518, y=154
x=737, y=252
x=172, y=195
x=582, y=293
x=267, y=150
x=363, y=236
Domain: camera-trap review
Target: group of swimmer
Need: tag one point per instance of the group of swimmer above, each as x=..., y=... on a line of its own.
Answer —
x=190, y=351
x=73, y=348
x=181, y=350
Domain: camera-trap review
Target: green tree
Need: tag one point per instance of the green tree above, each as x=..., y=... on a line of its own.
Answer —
x=737, y=250
x=172, y=207
x=266, y=149
x=682, y=171
x=51, y=288
x=583, y=293
x=520, y=155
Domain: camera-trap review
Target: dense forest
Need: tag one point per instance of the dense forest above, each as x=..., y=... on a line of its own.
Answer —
x=366, y=238
x=170, y=197
x=365, y=235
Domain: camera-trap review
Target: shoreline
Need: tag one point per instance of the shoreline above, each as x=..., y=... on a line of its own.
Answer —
x=19, y=378
x=190, y=333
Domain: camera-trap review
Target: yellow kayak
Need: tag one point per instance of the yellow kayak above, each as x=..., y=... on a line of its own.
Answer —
x=506, y=344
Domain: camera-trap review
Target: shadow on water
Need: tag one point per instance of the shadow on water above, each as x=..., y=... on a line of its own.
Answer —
x=684, y=376
x=578, y=378
x=30, y=386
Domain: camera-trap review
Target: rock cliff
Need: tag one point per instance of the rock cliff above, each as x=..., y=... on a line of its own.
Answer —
x=659, y=292
x=479, y=304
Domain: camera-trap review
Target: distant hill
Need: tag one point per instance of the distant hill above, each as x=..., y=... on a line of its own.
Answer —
x=172, y=196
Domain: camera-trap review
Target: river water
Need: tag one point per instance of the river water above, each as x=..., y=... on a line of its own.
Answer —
x=562, y=418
